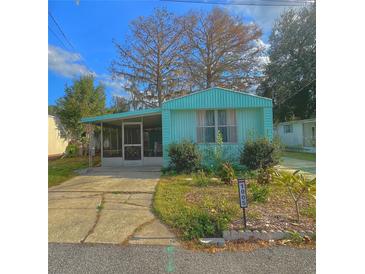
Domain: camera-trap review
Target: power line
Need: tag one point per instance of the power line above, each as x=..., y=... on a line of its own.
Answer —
x=58, y=38
x=295, y=93
x=66, y=39
x=60, y=29
x=267, y=3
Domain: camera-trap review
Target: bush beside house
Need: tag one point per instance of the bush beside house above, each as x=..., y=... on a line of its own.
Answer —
x=184, y=157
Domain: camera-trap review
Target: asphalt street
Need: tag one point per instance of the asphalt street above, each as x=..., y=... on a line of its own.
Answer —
x=106, y=258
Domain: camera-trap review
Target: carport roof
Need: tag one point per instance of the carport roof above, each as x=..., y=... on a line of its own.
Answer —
x=121, y=115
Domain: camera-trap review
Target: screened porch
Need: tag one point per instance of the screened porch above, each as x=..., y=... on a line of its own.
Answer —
x=131, y=141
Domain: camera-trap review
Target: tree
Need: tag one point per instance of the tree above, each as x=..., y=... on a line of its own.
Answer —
x=150, y=59
x=119, y=104
x=297, y=185
x=81, y=99
x=52, y=110
x=222, y=50
x=290, y=77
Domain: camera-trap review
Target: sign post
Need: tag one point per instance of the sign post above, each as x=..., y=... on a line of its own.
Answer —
x=243, y=198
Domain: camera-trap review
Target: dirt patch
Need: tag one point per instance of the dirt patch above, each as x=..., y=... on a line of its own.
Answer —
x=246, y=246
x=278, y=213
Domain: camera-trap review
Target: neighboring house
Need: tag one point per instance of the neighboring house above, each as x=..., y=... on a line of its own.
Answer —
x=299, y=135
x=142, y=137
x=56, y=143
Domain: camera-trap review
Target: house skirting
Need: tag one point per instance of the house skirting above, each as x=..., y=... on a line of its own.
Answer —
x=118, y=161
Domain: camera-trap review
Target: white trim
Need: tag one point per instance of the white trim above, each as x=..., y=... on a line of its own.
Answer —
x=215, y=125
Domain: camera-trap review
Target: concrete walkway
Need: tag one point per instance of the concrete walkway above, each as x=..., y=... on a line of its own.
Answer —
x=107, y=205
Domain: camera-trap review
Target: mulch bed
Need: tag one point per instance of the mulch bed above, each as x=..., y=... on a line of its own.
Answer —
x=276, y=214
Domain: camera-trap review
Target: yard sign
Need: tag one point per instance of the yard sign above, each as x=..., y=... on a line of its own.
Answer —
x=243, y=198
x=242, y=192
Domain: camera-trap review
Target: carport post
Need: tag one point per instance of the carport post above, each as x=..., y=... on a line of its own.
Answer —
x=90, y=131
x=101, y=142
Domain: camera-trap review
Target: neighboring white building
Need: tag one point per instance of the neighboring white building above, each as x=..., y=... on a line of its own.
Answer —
x=56, y=143
x=300, y=134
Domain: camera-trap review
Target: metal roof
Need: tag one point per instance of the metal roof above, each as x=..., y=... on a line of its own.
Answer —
x=115, y=116
x=216, y=98
x=217, y=87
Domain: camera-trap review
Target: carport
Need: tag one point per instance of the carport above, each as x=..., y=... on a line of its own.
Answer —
x=129, y=138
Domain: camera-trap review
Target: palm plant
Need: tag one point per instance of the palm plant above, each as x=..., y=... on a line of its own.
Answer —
x=297, y=185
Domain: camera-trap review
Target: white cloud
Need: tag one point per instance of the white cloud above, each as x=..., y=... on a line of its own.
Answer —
x=264, y=16
x=264, y=59
x=66, y=63
x=115, y=86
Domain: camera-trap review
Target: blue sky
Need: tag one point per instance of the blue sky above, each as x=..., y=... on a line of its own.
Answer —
x=90, y=27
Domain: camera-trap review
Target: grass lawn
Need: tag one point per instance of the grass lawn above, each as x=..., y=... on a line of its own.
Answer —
x=194, y=211
x=300, y=155
x=61, y=170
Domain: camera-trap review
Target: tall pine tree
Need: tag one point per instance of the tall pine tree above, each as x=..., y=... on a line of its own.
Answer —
x=290, y=77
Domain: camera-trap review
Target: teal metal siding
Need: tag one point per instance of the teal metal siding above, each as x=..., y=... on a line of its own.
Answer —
x=166, y=134
x=183, y=125
x=217, y=98
x=179, y=119
x=230, y=152
x=268, y=122
x=249, y=123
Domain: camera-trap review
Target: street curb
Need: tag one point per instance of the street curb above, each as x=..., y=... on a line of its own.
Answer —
x=212, y=241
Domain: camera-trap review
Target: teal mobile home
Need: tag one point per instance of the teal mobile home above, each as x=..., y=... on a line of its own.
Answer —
x=142, y=137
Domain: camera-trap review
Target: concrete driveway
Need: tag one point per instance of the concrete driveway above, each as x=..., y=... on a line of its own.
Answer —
x=107, y=205
x=304, y=165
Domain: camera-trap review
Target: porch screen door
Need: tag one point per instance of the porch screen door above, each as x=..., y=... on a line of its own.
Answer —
x=132, y=141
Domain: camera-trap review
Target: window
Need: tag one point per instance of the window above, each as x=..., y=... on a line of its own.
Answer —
x=210, y=121
x=288, y=128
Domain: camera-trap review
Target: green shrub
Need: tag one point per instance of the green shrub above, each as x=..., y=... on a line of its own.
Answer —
x=71, y=150
x=199, y=224
x=210, y=219
x=227, y=173
x=259, y=193
x=265, y=175
x=295, y=237
x=201, y=178
x=184, y=157
x=260, y=153
x=247, y=174
x=168, y=171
